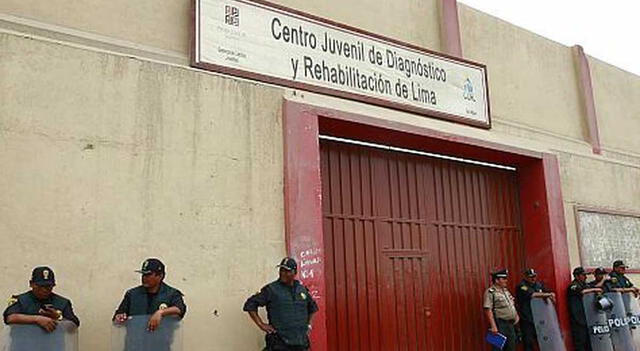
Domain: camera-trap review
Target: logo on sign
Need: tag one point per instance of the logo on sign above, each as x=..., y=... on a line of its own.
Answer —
x=232, y=15
x=468, y=91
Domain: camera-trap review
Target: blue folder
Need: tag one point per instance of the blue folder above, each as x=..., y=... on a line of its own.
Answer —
x=497, y=340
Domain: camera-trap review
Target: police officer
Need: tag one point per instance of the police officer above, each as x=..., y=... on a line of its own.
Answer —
x=40, y=305
x=154, y=297
x=601, y=281
x=575, y=291
x=527, y=289
x=619, y=281
x=500, y=310
x=290, y=308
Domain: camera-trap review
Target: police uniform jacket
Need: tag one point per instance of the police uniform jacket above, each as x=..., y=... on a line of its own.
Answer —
x=138, y=301
x=524, y=294
x=28, y=303
x=501, y=302
x=620, y=281
x=288, y=309
x=576, y=308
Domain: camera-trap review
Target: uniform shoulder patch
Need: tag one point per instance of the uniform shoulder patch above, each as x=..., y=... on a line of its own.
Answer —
x=574, y=287
x=492, y=290
x=12, y=300
x=614, y=280
x=524, y=288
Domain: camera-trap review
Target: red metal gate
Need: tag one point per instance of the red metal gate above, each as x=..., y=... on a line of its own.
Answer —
x=409, y=241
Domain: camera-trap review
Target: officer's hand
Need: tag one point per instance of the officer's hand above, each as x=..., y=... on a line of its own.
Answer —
x=494, y=330
x=49, y=312
x=154, y=321
x=552, y=297
x=120, y=318
x=267, y=328
x=47, y=323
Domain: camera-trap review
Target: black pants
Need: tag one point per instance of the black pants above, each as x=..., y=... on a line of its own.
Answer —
x=529, y=337
x=581, y=338
x=275, y=343
x=507, y=329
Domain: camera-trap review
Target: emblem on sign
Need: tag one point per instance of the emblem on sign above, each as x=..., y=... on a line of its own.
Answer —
x=232, y=15
x=468, y=91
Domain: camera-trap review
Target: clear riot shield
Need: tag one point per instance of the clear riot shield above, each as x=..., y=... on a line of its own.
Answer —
x=617, y=320
x=134, y=335
x=30, y=337
x=597, y=323
x=632, y=308
x=547, y=326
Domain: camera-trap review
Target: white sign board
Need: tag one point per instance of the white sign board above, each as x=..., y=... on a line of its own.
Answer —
x=266, y=42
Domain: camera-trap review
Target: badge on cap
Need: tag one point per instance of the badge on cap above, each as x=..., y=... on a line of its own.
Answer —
x=45, y=274
x=145, y=265
x=163, y=306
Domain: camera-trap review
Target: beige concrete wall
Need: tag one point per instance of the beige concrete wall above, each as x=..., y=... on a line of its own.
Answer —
x=167, y=25
x=112, y=159
x=616, y=95
x=532, y=80
x=163, y=25
x=106, y=160
x=596, y=182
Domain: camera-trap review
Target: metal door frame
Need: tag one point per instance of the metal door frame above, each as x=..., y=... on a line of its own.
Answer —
x=541, y=202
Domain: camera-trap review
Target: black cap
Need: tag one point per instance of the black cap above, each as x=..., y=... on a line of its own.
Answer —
x=501, y=273
x=151, y=265
x=530, y=272
x=43, y=276
x=619, y=263
x=579, y=270
x=289, y=264
x=600, y=270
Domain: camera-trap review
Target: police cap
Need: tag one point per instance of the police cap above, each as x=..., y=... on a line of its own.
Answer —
x=43, y=276
x=619, y=263
x=579, y=270
x=600, y=270
x=151, y=265
x=501, y=273
x=289, y=264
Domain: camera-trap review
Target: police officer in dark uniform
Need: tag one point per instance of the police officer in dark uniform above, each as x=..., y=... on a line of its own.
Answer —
x=602, y=281
x=619, y=281
x=526, y=290
x=290, y=308
x=154, y=297
x=500, y=309
x=575, y=291
x=40, y=305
